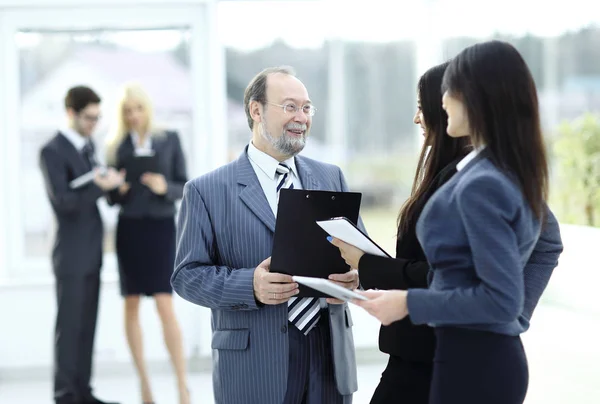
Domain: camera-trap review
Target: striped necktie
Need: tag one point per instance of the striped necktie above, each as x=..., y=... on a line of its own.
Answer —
x=302, y=312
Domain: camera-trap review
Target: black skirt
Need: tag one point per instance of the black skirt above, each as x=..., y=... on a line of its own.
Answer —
x=146, y=255
x=404, y=381
x=478, y=367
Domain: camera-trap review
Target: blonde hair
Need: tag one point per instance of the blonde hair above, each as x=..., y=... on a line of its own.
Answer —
x=129, y=91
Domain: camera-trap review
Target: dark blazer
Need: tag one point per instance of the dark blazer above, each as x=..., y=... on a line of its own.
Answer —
x=408, y=270
x=479, y=235
x=140, y=201
x=78, y=241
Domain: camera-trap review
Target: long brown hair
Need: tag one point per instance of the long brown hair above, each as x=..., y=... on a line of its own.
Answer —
x=498, y=91
x=438, y=150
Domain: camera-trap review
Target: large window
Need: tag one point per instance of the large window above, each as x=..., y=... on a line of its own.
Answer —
x=51, y=62
x=45, y=52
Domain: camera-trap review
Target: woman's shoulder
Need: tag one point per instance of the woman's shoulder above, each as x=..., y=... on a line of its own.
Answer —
x=484, y=182
x=171, y=135
x=124, y=143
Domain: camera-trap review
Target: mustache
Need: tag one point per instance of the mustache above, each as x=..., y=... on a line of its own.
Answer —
x=296, y=126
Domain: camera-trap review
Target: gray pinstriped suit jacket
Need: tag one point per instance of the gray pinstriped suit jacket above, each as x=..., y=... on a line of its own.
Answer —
x=225, y=230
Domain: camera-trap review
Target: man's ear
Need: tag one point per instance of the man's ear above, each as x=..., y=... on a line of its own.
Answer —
x=256, y=111
x=71, y=113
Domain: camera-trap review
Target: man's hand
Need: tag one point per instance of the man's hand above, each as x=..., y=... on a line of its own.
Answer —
x=156, y=182
x=349, y=280
x=270, y=287
x=109, y=179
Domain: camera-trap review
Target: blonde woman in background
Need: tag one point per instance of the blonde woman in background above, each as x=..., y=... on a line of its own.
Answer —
x=145, y=240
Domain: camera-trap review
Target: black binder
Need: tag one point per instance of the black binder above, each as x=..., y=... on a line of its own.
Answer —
x=300, y=245
x=138, y=165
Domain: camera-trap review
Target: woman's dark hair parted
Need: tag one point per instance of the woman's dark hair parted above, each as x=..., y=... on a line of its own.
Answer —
x=499, y=93
x=438, y=150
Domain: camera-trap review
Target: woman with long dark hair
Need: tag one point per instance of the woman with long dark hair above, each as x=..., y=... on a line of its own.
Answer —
x=408, y=373
x=479, y=231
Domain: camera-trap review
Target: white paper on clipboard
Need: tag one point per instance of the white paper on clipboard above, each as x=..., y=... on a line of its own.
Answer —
x=82, y=180
x=343, y=229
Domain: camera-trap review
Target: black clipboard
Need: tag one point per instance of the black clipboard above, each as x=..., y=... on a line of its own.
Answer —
x=300, y=245
x=138, y=165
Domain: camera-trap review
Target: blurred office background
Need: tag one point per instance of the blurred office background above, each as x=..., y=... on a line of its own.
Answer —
x=360, y=62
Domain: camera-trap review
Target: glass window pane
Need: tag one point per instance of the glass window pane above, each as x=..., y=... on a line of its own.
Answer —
x=52, y=62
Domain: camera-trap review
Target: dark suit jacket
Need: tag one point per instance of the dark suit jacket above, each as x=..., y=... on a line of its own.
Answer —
x=479, y=235
x=140, y=201
x=408, y=270
x=78, y=242
x=411, y=270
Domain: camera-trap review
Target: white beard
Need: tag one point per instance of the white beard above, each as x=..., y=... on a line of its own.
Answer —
x=284, y=144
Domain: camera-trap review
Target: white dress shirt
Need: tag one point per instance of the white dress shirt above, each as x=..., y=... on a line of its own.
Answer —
x=78, y=141
x=468, y=158
x=265, y=168
x=142, y=149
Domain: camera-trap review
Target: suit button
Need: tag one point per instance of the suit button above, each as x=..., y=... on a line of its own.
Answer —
x=284, y=329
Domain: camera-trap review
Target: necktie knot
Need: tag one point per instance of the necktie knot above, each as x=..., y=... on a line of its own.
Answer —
x=282, y=168
x=87, y=148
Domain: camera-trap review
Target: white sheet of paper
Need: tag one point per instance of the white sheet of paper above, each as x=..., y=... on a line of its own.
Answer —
x=82, y=180
x=342, y=229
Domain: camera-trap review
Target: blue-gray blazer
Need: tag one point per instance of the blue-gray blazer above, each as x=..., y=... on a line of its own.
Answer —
x=225, y=229
x=478, y=232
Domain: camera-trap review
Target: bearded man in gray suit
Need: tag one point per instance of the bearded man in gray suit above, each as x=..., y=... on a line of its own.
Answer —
x=269, y=347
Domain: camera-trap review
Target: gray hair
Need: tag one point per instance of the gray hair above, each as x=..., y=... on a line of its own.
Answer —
x=257, y=89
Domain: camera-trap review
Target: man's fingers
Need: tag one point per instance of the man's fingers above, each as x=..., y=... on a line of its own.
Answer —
x=278, y=298
x=283, y=295
x=282, y=287
x=274, y=277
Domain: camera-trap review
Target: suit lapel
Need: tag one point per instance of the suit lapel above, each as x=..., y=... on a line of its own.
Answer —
x=73, y=156
x=308, y=180
x=158, y=143
x=252, y=193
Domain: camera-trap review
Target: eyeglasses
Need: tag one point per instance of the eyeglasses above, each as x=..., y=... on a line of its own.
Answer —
x=290, y=108
x=90, y=118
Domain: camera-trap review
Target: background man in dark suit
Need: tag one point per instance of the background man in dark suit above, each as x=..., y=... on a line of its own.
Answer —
x=77, y=253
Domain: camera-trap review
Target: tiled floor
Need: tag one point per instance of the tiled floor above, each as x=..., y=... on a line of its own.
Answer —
x=562, y=349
